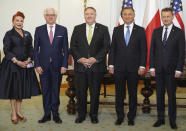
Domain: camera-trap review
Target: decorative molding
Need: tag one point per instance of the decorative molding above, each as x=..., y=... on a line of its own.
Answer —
x=58, y=11
x=85, y=4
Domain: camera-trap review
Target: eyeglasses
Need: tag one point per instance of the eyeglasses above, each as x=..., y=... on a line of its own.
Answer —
x=48, y=15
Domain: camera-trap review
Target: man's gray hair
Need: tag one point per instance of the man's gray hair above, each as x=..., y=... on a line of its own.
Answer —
x=45, y=11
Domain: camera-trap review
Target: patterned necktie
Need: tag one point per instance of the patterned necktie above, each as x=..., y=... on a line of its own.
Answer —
x=165, y=36
x=51, y=34
x=89, y=34
x=127, y=36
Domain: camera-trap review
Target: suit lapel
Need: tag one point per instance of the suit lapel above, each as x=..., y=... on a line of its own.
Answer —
x=171, y=34
x=46, y=33
x=122, y=37
x=134, y=30
x=84, y=35
x=96, y=31
x=160, y=35
x=55, y=34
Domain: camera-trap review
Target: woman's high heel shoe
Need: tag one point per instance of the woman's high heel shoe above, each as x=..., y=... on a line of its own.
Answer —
x=14, y=121
x=22, y=119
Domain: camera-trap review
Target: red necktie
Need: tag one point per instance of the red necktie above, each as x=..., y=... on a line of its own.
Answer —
x=51, y=34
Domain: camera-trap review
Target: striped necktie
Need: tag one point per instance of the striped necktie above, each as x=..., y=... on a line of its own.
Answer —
x=165, y=36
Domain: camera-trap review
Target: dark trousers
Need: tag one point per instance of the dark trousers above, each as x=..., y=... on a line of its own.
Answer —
x=166, y=81
x=121, y=79
x=83, y=80
x=50, y=83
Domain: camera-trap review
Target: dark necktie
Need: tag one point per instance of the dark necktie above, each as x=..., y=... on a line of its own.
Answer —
x=165, y=36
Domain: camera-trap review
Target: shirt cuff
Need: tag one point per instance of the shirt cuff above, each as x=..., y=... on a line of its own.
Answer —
x=178, y=71
x=142, y=67
x=152, y=69
x=78, y=60
x=111, y=66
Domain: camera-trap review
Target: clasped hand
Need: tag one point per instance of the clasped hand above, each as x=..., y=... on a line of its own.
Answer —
x=22, y=64
x=87, y=62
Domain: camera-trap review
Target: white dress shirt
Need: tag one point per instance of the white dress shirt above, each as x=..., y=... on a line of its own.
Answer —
x=87, y=29
x=125, y=29
x=168, y=31
x=53, y=29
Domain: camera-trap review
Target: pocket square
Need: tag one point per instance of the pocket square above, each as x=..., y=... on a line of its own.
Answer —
x=59, y=36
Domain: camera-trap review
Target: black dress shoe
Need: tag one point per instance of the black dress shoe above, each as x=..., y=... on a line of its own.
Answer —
x=130, y=122
x=45, y=119
x=57, y=119
x=159, y=123
x=118, y=121
x=173, y=125
x=94, y=120
x=79, y=120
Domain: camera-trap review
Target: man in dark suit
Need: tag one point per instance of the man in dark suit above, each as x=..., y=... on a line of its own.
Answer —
x=127, y=60
x=51, y=60
x=89, y=45
x=166, y=64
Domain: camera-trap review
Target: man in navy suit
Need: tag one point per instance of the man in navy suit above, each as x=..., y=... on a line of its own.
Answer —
x=166, y=64
x=51, y=60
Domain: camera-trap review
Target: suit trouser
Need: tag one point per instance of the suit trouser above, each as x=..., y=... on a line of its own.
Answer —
x=166, y=80
x=50, y=83
x=83, y=80
x=121, y=78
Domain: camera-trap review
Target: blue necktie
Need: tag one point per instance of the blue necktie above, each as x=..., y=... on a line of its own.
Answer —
x=127, y=36
x=165, y=36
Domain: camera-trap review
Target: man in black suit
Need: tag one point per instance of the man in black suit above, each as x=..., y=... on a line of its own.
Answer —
x=127, y=60
x=89, y=45
x=166, y=64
